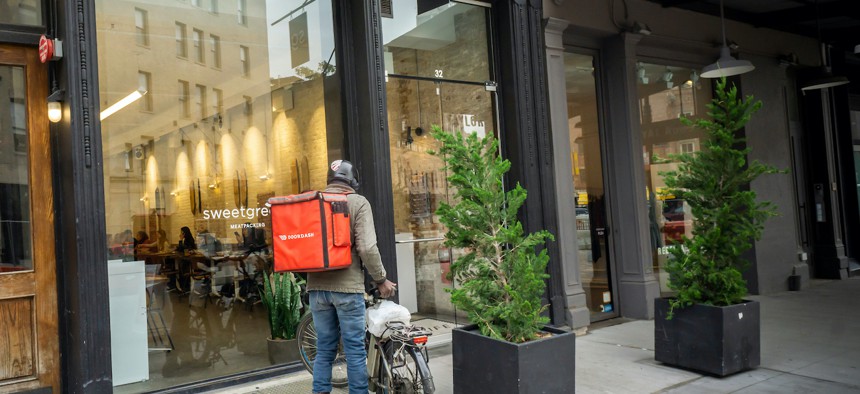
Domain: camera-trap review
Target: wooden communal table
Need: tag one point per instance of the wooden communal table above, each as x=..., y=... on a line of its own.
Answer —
x=160, y=259
x=240, y=262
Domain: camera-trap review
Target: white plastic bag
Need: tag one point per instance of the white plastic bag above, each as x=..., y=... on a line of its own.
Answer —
x=382, y=313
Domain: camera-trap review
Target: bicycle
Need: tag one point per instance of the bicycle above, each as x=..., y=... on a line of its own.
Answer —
x=396, y=360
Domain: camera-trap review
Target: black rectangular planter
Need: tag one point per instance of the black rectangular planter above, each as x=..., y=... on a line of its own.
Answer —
x=717, y=340
x=486, y=365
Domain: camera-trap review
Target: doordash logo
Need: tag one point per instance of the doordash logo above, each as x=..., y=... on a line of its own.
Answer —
x=296, y=236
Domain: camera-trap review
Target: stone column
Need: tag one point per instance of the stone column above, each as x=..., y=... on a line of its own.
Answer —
x=625, y=180
x=576, y=309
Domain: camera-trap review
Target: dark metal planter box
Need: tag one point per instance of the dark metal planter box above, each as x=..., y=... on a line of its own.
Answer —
x=715, y=340
x=486, y=365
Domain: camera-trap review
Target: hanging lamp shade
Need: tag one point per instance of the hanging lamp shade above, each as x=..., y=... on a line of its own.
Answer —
x=825, y=78
x=726, y=65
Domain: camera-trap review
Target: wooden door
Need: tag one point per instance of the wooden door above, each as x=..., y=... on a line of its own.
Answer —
x=29, y=343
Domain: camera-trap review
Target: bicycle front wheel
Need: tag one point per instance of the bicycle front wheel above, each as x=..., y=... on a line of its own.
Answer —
x=307, y=342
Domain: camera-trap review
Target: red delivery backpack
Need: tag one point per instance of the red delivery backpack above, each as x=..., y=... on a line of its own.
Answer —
x=311, y=232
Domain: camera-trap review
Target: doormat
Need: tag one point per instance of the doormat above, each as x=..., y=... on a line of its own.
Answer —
x=441, y=330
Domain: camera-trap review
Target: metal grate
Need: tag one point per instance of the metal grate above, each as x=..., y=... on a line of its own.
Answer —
x=387, y=11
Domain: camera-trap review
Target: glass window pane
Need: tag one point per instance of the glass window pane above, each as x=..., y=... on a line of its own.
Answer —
x=588, y=183
x=425, y=40
x=141, y=26
x=419, y=182
x=241, y=18
x=215, y=43
x=665, y=94
x=138, y=18
x=15, y=236
x=199, y=52
x=221, y=138
x=201, y=100
x=181, y=40
x=21, y=12
x=244, y=55
x=145, y=85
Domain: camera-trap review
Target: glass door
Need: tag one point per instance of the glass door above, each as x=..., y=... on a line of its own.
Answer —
x=419, y=183
x=589, y=191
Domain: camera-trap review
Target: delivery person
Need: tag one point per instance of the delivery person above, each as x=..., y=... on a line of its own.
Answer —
x=337, y=297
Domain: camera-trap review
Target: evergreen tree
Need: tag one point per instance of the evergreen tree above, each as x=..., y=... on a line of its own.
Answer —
x=501, y=277
x=727, y=217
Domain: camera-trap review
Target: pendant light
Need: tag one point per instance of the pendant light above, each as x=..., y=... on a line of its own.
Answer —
x=726, y=65
x=825, y=78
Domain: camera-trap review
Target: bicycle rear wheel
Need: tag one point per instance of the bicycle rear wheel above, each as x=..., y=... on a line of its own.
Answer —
x=307, y=342
x=408, y=375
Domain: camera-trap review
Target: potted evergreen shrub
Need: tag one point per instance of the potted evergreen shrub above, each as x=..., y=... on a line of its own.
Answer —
x=281, y=293
x=708, y=326
x=500, y=279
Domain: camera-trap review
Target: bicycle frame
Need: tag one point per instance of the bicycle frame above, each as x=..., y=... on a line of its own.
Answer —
x=388, y=356
x=383, y=352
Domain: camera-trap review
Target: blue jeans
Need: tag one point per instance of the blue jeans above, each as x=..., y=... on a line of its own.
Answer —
x=335, y=315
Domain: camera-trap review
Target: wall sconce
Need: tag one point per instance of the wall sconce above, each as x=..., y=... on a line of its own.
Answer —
x=266, y=176
x=144, y=199
x=55, y=105
x=640, y=73
x=638, y=28
x=694, y=80
x=667, y=77
x=174, y=193
x=215, y=184
x=282, y=99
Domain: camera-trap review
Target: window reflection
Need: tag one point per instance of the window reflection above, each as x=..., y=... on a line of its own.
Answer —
x=181, y=40
x=665, y=94
x=141, y=24
x=427, y=41
x=21, y=12
x=589, y=194
x=447, y=42
x=189, y=167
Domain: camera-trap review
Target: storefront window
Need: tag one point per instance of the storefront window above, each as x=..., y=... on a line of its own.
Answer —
x=436, y=60
x=197, y=158
x=665, y=94
x=21, y=12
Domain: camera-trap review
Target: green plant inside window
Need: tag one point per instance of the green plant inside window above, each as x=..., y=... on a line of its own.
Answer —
x=282, y=295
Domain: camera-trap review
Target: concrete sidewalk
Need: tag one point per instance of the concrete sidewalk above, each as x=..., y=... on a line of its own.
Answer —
x=810, y=344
